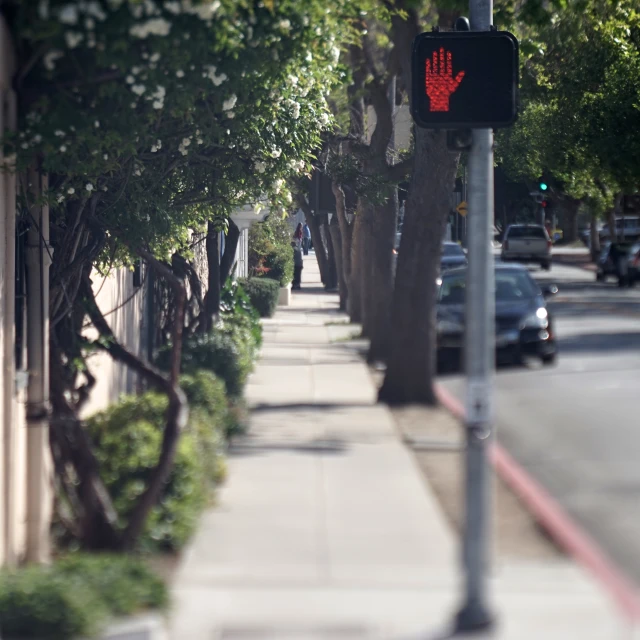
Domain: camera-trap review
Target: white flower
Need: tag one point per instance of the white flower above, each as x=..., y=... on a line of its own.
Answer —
x=138, y=89
x=285, y=24
x=71, y=191
x=249, y=32
x=324, y=119
x=90, y=24
x=173, y=7
x=105, y=188
x=260, y=166
x=154, y=148
x=305, y=21
x=133, y=105
x=68, y=14
x=211, y=73
x=293, y=80
x=204, y=10
x=158, y=104
x=130, y=79
x=200, y=141
x=309, y=56
x=135, y=70
x=96, y=124
x=60, y=197
x=180, y=73
x=106, y=156
x=231, y=114
x=229, y=103
x=155, y=57
x=50, y=58
x=88, y=187
x=295, y=112
x=155, y=26
x=335, y=52
x=43, y=9
x=159, y=93
x=37, y=138
x=59, y=133
x=137, y=171
x=73, y=38
x=25, y=145
x=277, y=185
x=276, y=153
x=94, y=9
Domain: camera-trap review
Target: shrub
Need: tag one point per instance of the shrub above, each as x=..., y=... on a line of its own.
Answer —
x=76, y=596
x=263, y=293
x=127, y=439
x=270, y=252
x=210, y=419
x=41, y=604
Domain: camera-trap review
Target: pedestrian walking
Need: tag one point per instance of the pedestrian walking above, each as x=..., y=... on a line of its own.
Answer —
x=306, y=239
x=297, y=263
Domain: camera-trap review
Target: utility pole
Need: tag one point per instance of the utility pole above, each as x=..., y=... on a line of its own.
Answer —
x=480, y=364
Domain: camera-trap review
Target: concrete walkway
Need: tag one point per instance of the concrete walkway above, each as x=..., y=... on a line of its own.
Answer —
x=325, y=528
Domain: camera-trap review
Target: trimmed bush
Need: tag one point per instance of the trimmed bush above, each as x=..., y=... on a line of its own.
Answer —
x=263, y=293
x=76, y=596
x=127, y=438
x=210, y=419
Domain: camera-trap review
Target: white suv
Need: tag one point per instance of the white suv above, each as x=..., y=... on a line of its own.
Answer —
x=527, y=243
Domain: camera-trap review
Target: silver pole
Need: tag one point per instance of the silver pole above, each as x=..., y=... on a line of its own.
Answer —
x=480, y=364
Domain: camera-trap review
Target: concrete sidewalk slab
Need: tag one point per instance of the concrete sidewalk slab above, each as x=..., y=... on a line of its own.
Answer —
x=325, y=528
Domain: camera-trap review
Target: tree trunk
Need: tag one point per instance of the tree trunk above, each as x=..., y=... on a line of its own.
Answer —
x=412, y=363
x=367, y=258
x=332, y=275
x=345, y=236
x=211, y=309
x=336, y=244
x=229, y=255
x=570, y=231
x=381, y=292
x=316, y=237
x=611, y=221
x=595, y=237
x=354, y=303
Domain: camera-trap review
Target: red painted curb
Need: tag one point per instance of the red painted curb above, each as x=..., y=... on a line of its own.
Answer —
x=556, y=521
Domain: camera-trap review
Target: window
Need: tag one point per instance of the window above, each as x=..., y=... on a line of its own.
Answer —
x=526, y=232
x=511, y=286
x=452, y=250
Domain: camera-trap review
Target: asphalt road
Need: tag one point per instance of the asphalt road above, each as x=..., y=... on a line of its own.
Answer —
x=576, y=426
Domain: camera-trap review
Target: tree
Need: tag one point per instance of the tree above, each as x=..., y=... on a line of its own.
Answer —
x=149, y=117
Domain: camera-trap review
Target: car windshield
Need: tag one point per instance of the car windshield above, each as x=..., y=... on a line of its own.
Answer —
x=511, y=286
x=452, y=249
x=525, y=232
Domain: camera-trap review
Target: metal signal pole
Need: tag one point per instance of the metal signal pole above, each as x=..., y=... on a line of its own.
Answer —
x=480, y=364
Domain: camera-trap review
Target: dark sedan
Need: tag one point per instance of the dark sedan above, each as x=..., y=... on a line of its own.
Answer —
x=524, y=326
x=453, y=256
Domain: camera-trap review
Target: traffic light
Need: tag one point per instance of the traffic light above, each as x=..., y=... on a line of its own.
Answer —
x=543, y=185
x=464, y=79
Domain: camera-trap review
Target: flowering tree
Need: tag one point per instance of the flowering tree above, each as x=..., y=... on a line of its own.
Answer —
x=151, y=119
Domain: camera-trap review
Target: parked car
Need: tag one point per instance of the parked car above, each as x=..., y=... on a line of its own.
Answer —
x=527, y=243
x=453, y=256
x=627, y=228
x=524, y=326
x=633, y=264
x=613, y=262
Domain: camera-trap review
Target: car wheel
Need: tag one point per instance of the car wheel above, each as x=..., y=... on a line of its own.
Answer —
x=546, y=265
x=622, y=282
x=548, y=358
x=599, y=277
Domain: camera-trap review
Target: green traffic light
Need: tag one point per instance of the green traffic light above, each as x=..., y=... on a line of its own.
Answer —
x=543, y=186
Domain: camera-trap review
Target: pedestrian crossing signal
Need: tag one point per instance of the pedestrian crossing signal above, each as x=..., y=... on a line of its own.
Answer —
x=464, y=79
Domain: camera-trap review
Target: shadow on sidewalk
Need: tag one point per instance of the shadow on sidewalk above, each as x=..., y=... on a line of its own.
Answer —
x=321, y=446
x=308, y=406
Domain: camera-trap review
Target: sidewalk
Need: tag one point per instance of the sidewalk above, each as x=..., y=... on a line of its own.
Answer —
x=325, y=529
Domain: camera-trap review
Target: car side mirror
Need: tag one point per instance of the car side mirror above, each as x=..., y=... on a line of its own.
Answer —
x=549, y=290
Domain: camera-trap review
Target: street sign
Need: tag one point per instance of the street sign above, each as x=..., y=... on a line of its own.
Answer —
x=462, y=208
x=464, y=79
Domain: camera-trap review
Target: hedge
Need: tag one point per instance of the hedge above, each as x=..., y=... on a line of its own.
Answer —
x=75, y=597
x=263, y=293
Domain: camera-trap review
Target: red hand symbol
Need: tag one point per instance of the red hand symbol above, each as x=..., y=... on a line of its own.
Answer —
x=440, y=83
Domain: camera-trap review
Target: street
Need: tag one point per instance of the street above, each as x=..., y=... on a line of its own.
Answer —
x=574, y=426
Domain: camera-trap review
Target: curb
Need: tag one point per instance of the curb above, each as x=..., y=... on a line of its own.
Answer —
x=565, y=532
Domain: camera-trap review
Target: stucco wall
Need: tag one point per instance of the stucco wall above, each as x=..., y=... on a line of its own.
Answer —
x=123, y=307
